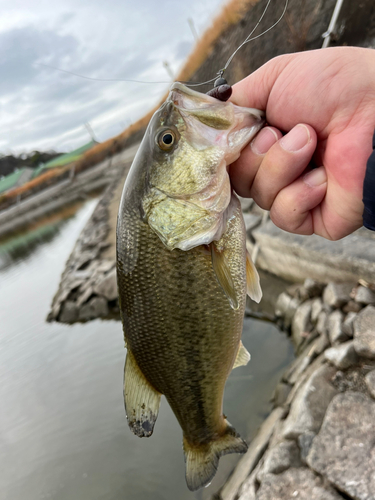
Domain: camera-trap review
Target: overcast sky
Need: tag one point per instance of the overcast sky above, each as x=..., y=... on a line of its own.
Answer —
x=41, y=108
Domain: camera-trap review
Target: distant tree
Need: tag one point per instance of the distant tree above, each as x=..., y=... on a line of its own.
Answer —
x=9, y=163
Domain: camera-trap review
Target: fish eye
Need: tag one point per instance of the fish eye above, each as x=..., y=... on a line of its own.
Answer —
x=166, y=139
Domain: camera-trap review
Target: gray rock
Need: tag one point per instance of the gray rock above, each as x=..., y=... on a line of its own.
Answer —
x=321, y=325
x=364, y=333
x=352, y=306
x=310, y=370
x=342, y=356
x=301, y=363
x=364, y=295
x=344, y=449
x=305, y=361
x=304, y=442
x=337, y=294
x=107, y=286
x=106, y=265
x=70, y=285
x=248, y=489
x=251, y=458
x=280, y=458
x=82, y=275
x=348, y=325
x=97, y=307
x=251, y=221
x=370, y=382
x=84, y=259
x=281, y=393
x=322, y=343
x=300, y=483
x=335, y=331
x=310, y=404
x=276, y=437
x=286, y=307
x=282, y=304
x=69, y=312
x=351, y=380
x=316, y=309
x=294, y=290
x=85, y=295
x=292, y=368
x=301, y=324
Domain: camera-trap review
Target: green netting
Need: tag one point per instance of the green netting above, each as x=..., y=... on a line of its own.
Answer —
x=64, y=159
x=10, y=180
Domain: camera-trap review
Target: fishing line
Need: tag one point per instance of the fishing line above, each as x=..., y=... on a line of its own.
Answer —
x=190, y=84
x=114, y=79
x=248, y=39
x=92, y=78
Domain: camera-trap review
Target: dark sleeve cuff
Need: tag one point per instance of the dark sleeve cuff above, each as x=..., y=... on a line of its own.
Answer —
x=369, y=191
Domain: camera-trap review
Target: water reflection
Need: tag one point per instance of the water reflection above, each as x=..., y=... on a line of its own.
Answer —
x=23, y=243
x=63, y=433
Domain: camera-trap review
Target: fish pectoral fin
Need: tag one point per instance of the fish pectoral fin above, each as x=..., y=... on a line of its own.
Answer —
x=179, y=223
x=142, y=401
x=223, y=275
x=243, y=356
x=202, y=460
x=254, y=290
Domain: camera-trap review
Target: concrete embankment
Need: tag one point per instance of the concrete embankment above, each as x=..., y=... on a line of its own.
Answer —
x=319, y=441
x=296, y=257
x=68, y=191
x=88, y=287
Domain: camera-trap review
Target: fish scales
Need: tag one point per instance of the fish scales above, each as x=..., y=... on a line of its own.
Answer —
x=178, y=321
x=183, y=272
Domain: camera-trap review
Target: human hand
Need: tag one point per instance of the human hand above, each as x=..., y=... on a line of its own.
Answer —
x=325, y=100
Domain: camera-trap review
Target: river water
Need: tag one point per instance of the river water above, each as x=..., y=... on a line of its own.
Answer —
x=63, y=433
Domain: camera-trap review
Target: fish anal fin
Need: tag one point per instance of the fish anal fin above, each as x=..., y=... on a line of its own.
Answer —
x=142, y=401
x=223, y=275
x=243, y=356
x=202, y=460
x=253, y=288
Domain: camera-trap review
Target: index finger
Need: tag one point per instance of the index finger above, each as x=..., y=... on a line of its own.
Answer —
x=254, y=90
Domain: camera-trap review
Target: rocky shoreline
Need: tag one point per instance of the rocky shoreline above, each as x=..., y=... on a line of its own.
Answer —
x=88, y=287
x=319, y=441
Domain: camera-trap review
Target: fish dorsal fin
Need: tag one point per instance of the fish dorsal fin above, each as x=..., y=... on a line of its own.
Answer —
x=141, y=399
x=243, y=356
x=223, y=275
x=254, y=290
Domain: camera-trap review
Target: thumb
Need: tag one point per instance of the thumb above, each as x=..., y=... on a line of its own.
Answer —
x=254, y=90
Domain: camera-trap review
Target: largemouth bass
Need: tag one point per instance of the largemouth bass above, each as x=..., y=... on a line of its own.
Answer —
x=183, y=273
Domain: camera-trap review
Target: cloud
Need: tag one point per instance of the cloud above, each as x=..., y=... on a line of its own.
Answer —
x=42, y=107
x=21, y=48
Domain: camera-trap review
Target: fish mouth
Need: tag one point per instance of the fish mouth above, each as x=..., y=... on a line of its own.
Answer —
x=210, y=121
x=178, y=91
x=186, y=98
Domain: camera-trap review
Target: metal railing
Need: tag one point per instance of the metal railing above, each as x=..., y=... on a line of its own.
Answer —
x=332, y=25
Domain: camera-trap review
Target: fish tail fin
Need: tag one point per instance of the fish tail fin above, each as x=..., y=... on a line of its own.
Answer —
x=202, y=460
